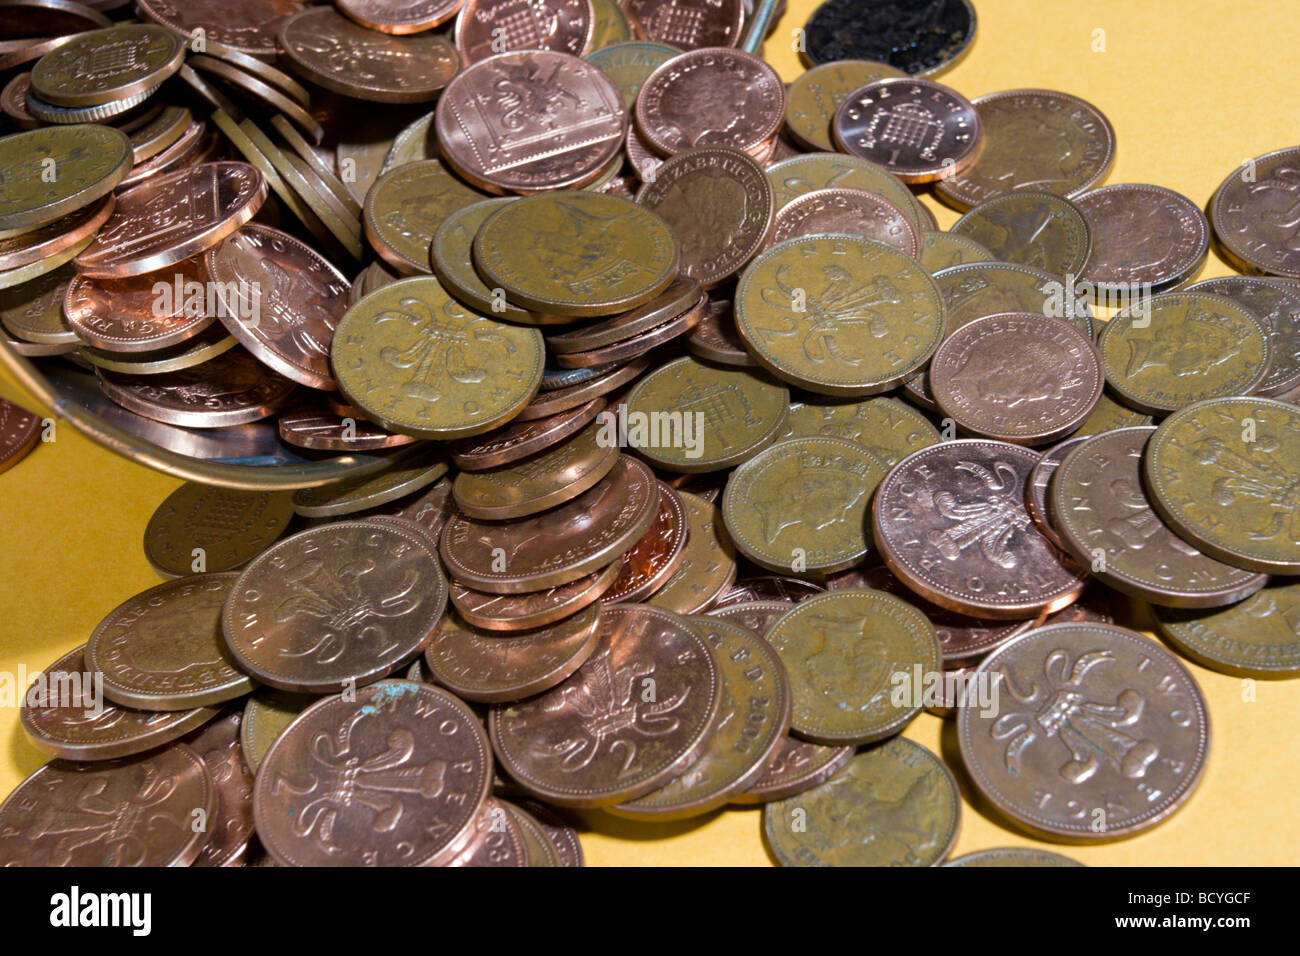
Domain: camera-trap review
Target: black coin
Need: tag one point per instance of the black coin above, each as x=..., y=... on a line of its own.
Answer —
x=919, y=37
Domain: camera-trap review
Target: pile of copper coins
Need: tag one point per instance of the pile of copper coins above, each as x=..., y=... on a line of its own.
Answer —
x=708, y=461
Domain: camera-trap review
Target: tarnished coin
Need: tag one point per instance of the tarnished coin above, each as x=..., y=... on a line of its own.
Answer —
x=265, y=716
x=726, y=414
x=1039, y=140
x=231, y=828
x=325, y=47
x=918, y=42
x=767, y=587
x=681, y=296
x=595, y=740
x=1018, y=377
x=950, y=521
x=801, y=505
x=495, y=840
x=560, y=26
x=107, y=65
x=143, y=313
x=162, y=649
x=522, y=612
x=611, y=25
x=33, y=311
x=943, y=250
x=598, y=382
x=412, y=470
x=796, y=767
x=452, y=258
x=1103, y=735
x=65, y=715
x=1278, y=309
x=87, y=799
x=55, y=238
x=917, y=129
x=797, y=175
x=404, y=208
x=207, y=345
x=171, y=217
x=1098, y=504
x=542, y=481
x=518, y=440
x=843, y=651
x=248, y=26
x=400, y=16
x=267, y=95
x=708, y=566
x=890, y=429
x=658, y=554
x=710, y=96
x=557, y=546
x=23, y=19
x=1039, y=483
x=839, y=315
x=500, y=668
x=636, y=345
x=495, y=143
x=429, y=508
x=854, y=212
x=320, y=430
x=814, y=96
x=892, y=805
x=1031, y=228
x=90, y=162
x=1225, y=474
x=401, y=769
x=563, y=837
x=689, y=26
x=587, y=253
x=1260, y=637
x=752, y=720
x=716, y=338
x=1182, y=347
x=195, y=145
x=231, y=389
x=1252, y=210
x=335, y=606
x=629, y=64
x=754, y=616
x=20, y=431
x=1144, y=238
x=417, y=362
x=220, y=527
x=1013, y=856
x=718, y=203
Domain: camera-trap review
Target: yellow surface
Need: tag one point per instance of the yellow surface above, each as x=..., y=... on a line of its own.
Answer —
x=1193, y=87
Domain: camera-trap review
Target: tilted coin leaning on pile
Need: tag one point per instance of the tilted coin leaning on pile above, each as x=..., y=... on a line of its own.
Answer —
x=704, y=460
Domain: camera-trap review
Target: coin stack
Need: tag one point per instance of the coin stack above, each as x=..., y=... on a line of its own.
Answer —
x=706, y=461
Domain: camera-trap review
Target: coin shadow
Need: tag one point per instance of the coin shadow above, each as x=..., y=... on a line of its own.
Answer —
x=606, y=824
x=23, y=755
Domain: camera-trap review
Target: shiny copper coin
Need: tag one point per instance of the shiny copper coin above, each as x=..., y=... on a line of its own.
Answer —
x=57, y=237
x=687, y=25
x=142, y=313
x=231, y=828
x=248, y=26
x=63, y=714
x=172, y=217
x=1144, y=238
x=852, y=211
x=709, y=566
x=400, y=772
x=231, y=389
x=595, y=740
x=281, y=300
x=495, y=840
x=325, y=47
x=656, y=556
x=487, y=27
x=644, y=160
x=501, y=668
x=320, y=430
x=223, y=527
x=195, y=145
x=498, y=146
x=335, y=606
x=1039, y=483
x=717, y=339
x=796, y=767
x=682, y=295
x=557, y=546
x=264, y=94
x=400, y=16
x=522, y=612
x=429, y=508
x=518, y=440
x=917, y=129
x=950, y=521
x=710, y=97
x=638, y=344
x=20, y=431
x=1018, y=377
x=94, y=800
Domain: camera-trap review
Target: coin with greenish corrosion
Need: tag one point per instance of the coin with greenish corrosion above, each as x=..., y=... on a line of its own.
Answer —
x=405, y=207
x=418, y=362
x=801, y=505
x=797, y=175
x=943, y=250
x=753, y=717
x=47, y=173
x=1033, y=229
x=266, y=714
x=1225, y=474
x=708, y=566
x=892, y=805
x=839, y=314
x=576, y=253
x=628, y=64
x=1109, y=415
x=610, y=26
x=845, y=651
x=890, y=429
x=711, y=417
x=1183, y=347
x=1260, y=637
x=814, y=96
x=1013, y=856
x=413, y=470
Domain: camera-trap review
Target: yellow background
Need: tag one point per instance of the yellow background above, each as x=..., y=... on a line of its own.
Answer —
x=1192, y=87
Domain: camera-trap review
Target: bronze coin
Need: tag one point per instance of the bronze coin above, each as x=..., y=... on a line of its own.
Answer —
x=487, y=27
x=335, y=606
x=231, y=828
x=754, y=616
x=655, y=558
x=1144, y=238
x=522, y=612
x=1031, y=228
x=717, y=339
x=495, y=840
x=400, y=16
x=708, y=566
x=855, y=212
x=601, y=737
x=248, y=26
x=56, y=237
x=689, y=26
x=682, y=295
x=1040, y=479
x=1251, y=214
x=768, y=588
x=221, y=527
x=549, y=402
x=142, y=313
x=323, y=431
x=798, y=766
x=402, y=770
x=20, y=431
x=1277, y=306
x=638, y=344
x=562, y=836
